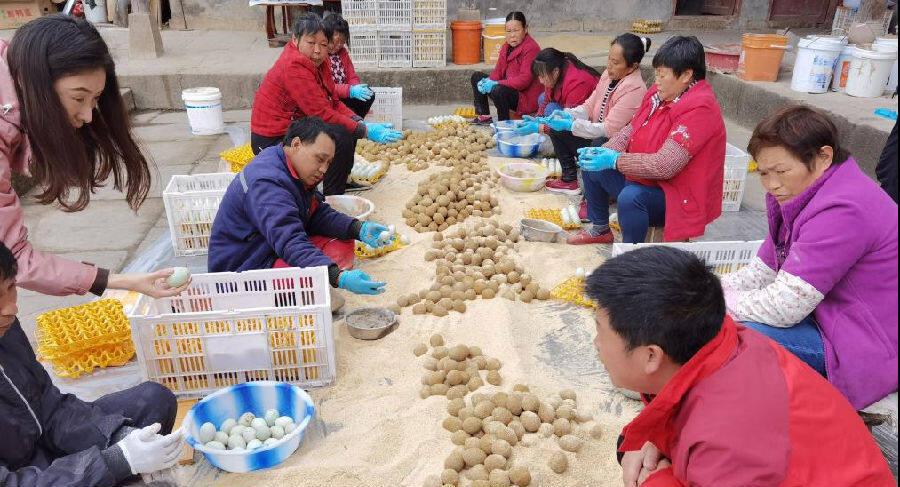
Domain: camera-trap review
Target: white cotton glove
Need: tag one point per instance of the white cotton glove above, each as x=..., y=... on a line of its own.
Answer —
x=147, y=451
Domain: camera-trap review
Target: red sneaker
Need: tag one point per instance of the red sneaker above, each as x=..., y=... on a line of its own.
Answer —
x=582, y=211
x=482, y=120
x=564, y=187
x=584, y=237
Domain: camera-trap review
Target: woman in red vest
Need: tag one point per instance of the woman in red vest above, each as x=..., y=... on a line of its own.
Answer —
x=300, y=84
x=511, y=85
x=667, y=166
x=353, y=93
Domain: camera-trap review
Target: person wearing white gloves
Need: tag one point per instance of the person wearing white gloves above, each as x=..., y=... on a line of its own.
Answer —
x=53, y=439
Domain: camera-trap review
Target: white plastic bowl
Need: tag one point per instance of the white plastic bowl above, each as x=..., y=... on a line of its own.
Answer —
x=511, y=145
x=522, y=177
x=351, y=205
x=257, y=398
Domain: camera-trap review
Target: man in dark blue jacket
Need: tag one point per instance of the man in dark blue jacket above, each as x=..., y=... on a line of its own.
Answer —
x=50, y=439
x=273, y=216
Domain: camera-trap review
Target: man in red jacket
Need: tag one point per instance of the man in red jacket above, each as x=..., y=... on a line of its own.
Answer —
x=725, y=406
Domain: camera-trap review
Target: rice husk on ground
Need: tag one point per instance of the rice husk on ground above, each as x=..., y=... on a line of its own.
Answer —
x=373, y=429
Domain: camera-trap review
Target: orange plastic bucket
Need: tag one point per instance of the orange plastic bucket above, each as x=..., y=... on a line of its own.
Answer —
x=466, y=41
x=761, y=56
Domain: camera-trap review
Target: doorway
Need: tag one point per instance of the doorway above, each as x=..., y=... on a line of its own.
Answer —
x=705, y=7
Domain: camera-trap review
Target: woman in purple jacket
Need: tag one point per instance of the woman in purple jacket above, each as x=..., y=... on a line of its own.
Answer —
x=824, y=283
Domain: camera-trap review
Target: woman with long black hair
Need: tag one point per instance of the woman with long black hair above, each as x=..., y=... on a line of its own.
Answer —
x=63, y=119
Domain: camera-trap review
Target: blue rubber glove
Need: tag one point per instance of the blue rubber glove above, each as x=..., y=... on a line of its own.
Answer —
x=560, y=124
x=595, y=159
x=561, y=114
x=381, y=134
x=361, y=92
x=486, y=85
x=370, y=234
x=358, y=282
x=526, y=127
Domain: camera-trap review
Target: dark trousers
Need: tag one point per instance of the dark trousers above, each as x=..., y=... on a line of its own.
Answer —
x=639, y=206
x=144, y=404
x=344, y=147
x=505, y=98
x=360, y=108
x=565, y=146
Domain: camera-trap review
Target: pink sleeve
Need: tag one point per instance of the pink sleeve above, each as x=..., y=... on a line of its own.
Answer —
x=620, y=114
x=39, y=272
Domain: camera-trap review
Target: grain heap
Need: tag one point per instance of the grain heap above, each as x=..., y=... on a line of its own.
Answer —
x=446, y=145
x=472, y=261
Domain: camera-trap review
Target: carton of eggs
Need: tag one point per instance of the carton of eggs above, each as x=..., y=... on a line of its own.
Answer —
x=365, y=170
x=569, y=215
x=441, y=119
x=553, y=167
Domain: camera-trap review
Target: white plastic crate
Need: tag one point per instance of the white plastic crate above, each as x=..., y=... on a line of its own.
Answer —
x=360, y=14
x=722, y=257
x=737, y=163
x=388, y=106
x=429, y=48
x=395, y=15
x=394, y=49
x=429, y=14
x=229, y=328
x=364, y=48
x=191, y=205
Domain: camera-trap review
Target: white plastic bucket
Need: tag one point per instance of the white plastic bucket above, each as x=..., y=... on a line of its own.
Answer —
x=97, y=13
x=814, y=65
x=204, y=110
x=842, y=69
x=888, y=44
x=869, y=72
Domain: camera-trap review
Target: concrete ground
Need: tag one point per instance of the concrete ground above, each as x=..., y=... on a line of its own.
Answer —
x=109, y=234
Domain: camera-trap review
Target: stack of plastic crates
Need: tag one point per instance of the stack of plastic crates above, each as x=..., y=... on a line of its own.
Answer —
x=429, y=20
x=191, y=205
x=361, y=14
x=722, y=257
x=388, y=106
x=395, y=49
x=231, y=328
x=737, y=163
x=364, y=46
x=394, y=15
x=78, y=339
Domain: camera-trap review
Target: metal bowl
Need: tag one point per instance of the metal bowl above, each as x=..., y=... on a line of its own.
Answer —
x=535, y=230
x=370, y=323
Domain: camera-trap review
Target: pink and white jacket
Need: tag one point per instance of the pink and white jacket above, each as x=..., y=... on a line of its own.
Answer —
x=38, y=271
x=594, y=119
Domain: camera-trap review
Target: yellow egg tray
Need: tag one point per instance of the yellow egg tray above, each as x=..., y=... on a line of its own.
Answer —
x=465, y=112
x=72, y=330
x=643, y=26
x=238, y=157
x=364, y=253
x=552, y=216
x=76, y=364
x=572, y=290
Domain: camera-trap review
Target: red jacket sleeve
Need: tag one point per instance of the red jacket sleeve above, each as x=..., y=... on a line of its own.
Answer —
x=663, y=478
x=312, y=99
x=522, y=80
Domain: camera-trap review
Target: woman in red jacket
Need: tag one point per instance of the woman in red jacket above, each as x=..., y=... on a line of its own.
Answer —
x=511, y=85
x=667, y=165
x=300, y=84
x=356, y=95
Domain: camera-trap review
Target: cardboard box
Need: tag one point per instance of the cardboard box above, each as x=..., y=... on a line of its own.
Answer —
x=17, y=14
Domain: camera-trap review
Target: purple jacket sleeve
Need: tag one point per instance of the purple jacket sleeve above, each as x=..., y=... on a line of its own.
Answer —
x=277, y=217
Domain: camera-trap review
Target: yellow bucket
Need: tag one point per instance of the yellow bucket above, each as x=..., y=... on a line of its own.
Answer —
x=494, y=35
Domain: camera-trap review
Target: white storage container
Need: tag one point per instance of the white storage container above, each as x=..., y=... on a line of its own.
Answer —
x=722, y=257
x=737, y=163
x=204, y=110
x=360, y=14
x=888, y=44
x=814, y=65
x=191, y=205
x=229, y=328
x=429, y=49
x=430, y=14
x=869, y=72
x=388, y=106
x=395, y=15
x=394, y=49
x=363, y=46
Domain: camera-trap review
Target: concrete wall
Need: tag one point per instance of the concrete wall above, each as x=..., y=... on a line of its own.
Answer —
x=547, y=15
